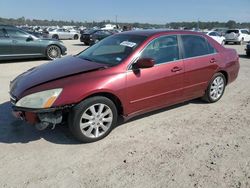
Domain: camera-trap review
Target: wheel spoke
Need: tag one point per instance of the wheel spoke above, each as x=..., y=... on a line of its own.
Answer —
x=89, y=131
x=86, y=116
x=213, y=87
x=109, y=119
x=96, y=132
x=85, y=125
x=108, y=111
x=104, y=128
x=92, y=109
x=101, y=106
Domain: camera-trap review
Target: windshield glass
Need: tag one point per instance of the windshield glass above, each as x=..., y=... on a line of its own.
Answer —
x=112, y=50
x=90, y=31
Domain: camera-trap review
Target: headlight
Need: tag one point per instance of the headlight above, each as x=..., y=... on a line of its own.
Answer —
x=44, y=99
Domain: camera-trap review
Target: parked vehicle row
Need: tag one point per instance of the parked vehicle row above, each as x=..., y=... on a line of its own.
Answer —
x=61, y=34
x=16, y=43
x=238, y=36
x=90, y=37
x=216, y=36
x=126, y=74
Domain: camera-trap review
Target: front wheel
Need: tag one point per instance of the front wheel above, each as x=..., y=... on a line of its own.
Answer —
x=215, y=89
x=92, y=119
x=53, y=52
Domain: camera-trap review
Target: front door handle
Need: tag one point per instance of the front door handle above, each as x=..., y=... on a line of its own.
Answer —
x=176, y=69
x=213, y=60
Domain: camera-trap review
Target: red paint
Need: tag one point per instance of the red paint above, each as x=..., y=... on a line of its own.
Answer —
x=139, y=91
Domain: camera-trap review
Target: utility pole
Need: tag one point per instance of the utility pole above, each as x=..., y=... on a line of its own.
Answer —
x=198, y=24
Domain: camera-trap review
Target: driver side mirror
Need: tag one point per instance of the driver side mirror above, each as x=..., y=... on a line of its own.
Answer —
x=144, y=63
x=30, y=38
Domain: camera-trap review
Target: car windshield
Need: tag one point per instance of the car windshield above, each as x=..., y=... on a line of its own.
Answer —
x=232, y=31
x=90, y=31
x=112, y=50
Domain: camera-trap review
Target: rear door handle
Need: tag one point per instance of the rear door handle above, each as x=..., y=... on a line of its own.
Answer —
x=213, y=60
x=176, y=69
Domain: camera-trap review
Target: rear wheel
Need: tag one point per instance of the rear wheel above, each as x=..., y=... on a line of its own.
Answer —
x=248, y=53
x=76, y=37
x=53, y=52
x=55, y=37
x=216, y=88
x=93, y=119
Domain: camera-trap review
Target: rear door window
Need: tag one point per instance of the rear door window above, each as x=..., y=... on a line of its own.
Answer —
x=196, y=46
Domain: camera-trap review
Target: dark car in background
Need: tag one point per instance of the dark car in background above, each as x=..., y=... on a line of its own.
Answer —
x=91, y=37
x=248, y=49
x=16, y=43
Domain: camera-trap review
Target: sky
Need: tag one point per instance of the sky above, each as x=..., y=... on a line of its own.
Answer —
x=144, y=11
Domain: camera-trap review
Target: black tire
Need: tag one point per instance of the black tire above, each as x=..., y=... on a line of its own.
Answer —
x=248, y=53
x=55, y=37
x=86, y=43
x=75, y=117
x=208, y=97
x=53, y=52
x=225, y=42
x=76, y=37
x=241, y=42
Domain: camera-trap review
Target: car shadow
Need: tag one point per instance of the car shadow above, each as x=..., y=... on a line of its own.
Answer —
x=194, y=101
x=244, y=56
x=22, y=60
x=13, y=130
x=79, y=44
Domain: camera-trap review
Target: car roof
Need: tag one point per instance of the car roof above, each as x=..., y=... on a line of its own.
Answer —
x=5, y=25
x=152, y=32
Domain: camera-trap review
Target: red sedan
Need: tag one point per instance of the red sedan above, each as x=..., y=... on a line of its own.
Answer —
x=125, y=75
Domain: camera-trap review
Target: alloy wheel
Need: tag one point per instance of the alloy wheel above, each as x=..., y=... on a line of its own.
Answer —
x=53, y=52
x=96, y=120
x=217, y=88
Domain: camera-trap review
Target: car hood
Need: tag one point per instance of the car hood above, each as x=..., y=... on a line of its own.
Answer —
x=59, y=68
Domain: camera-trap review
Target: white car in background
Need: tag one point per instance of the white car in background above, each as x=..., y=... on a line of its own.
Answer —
x=237, y=36
x=216, y=36
x=62, y=34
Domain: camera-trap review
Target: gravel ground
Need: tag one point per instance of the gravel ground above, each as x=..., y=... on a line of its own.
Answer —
x=193, y=144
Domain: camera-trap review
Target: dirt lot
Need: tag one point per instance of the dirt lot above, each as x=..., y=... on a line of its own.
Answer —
x=193, y=144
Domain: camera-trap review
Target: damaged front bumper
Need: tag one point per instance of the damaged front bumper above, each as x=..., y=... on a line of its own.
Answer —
x=41, y=118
